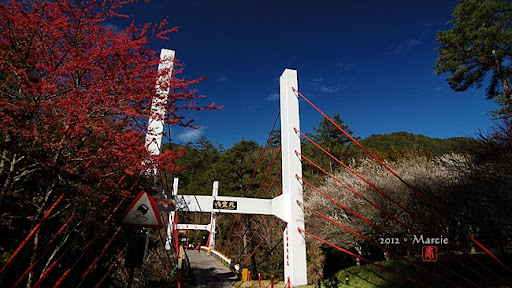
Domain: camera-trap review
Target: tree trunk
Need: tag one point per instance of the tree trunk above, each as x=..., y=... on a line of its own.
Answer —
x=33, y=259
x=498, y=68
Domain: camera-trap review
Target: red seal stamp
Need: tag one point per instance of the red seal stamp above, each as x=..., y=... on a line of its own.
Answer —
x=429, y=253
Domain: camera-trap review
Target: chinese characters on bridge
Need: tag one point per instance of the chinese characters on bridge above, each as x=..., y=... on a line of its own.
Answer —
x=225, y=205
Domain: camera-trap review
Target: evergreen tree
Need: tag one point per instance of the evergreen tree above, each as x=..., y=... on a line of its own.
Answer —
x=198, y=161
x=274, y=139
x=479, y=42
x=236, y=166
x=333, y=140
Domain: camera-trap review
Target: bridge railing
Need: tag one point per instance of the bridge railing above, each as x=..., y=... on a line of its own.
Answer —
x=226, y=261
x=186, y=262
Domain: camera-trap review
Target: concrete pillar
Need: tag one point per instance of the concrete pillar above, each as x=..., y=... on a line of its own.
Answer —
x=295, y=264
x=156, y=120
x=215, y=193
x=171, y=226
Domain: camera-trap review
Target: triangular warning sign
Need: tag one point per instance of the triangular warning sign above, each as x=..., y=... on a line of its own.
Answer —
x=142, y=213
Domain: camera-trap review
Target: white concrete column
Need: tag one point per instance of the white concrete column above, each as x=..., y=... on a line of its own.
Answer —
x=171, y=225
x=156, y=120
x=295, y=264
x=211, y=235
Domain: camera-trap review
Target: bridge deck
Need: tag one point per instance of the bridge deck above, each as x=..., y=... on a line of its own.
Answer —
x=209, y=272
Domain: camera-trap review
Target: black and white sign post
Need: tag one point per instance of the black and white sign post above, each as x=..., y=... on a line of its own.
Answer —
x=141, y=214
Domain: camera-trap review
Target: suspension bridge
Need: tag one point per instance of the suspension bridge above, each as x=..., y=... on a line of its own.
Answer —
x=289, y=209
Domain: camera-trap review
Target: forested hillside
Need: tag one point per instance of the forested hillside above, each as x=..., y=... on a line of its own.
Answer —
x=204, y=163
x=390, y=144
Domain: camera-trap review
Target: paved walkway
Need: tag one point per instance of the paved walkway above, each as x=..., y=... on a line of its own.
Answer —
x=209, y=271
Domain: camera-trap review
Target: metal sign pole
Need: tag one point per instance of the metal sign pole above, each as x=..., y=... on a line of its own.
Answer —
x=134, y=258
x=130, y=278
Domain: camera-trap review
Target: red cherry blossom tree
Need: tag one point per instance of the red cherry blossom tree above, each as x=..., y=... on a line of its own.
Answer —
x=75, y=96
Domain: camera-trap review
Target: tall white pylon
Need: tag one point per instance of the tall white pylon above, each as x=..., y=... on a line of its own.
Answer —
x=156, y=120
x=211, y=235
x=295, y=264
x=171, y=225
x=284, y=206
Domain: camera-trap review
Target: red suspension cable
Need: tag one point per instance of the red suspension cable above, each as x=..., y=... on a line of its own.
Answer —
x=233, y=242
x=25, y=274
x=257, y=194
x=59, y=282
x=373, y=242
x=261, y=241
x=89, y=269
x=262, y=218
x=360, y=177
x=52, y=265
x=356, y=142
x=164, y=243
x=229, y=233
x=487, y=251
x=414, y=190
x=250, y=181
x=358, y=194
x=111, y=266
x=29, y=236
x=362, y=258
x=252, y=236
x=385, y=195
x=378, y=227
x=345, y=207
x=388, y=214
x=261, y=156
x=268, y=172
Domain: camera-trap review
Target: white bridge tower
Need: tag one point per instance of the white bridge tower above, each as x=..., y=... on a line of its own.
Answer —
x=284, y=206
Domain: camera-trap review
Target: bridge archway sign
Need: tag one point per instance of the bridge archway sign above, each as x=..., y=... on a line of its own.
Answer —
x=284, y=206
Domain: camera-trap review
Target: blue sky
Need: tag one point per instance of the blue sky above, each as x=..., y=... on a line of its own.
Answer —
x=370, y=61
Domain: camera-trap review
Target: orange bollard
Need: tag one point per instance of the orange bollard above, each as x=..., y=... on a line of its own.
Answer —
x=259, y=279
x=288, y=284
x=249, y=276
x=272, y=281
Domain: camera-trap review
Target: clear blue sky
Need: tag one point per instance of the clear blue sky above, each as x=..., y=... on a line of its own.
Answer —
x=370, y=61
